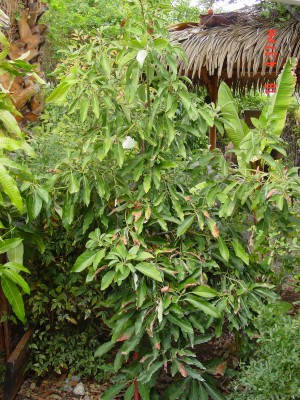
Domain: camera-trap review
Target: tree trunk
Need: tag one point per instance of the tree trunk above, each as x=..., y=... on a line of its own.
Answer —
x=26, y=36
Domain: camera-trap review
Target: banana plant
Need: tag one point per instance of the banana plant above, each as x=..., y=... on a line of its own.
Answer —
x=251, y=144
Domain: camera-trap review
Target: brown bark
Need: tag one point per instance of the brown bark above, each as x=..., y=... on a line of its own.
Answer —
x=21, y=98
x=25, y=92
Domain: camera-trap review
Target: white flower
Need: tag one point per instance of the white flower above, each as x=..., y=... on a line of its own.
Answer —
x=128, y=143
x=141, y=55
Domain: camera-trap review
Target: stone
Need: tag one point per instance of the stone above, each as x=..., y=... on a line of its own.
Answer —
x=75, y=378
x=79, y=390
x=66, y=388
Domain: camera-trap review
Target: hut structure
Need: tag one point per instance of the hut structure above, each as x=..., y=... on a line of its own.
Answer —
x=235, y=47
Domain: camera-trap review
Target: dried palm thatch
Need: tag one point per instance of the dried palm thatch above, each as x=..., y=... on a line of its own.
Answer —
x=235, y=53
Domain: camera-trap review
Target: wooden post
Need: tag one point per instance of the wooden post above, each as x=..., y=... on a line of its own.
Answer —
x=16, y=365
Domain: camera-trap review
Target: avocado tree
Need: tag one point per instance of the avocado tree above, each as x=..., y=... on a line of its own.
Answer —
x=177, y=239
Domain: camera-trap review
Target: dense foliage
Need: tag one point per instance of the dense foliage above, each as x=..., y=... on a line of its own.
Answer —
x=274, y=369
x=12, y=213
x=176, y=239
x=153, y=244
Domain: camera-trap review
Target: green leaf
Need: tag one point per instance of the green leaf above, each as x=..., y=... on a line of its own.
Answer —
x=15, y=255
x=143, y=255
x=149, y=270
x=16, y=267
x=9, y=144
x=141, y=292
x=95, y=105
x=83, y=261
x=113, y=391
x=60, y=93
x=147, y=375
x=129, y=392
x=147, y=183
x=206, y=307
x=86, y=191
x=34, y=237
x=84, y=109
x=160, y=44
x=205, y=291
x=234, y=127
x=16, y=278
x=203, y=395
x=9, y=244
x=282, y=98
x=14, y=297
x=185, y=225
x=10, y=188
x=44, y=195
x=10, y=122
x=239, y=251
x=223, y=249
x=214, y=393
x=105, y=64
x=144, y=391
x=183, y=323
x=6, y=45
x=37, y=205
x=104, y=348
x=73, y=184
x=193, y=373
x=194, y=392
x=107, y=279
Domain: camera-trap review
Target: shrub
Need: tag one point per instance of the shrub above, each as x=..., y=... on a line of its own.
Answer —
x=274, y=369
x=67, y=350
x=176, y=239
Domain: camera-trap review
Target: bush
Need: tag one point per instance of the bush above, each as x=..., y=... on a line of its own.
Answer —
x=274, y=370
x=67, y=351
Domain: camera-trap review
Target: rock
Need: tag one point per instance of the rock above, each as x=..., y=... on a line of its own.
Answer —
x=79, y=389
x=75, y=378
x=66, y=388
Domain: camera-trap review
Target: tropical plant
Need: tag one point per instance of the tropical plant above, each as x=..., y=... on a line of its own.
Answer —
x=177, y=240
x=270, y=124
x=12, y=142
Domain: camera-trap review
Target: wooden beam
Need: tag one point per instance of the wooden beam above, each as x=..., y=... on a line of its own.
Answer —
x=15, y=367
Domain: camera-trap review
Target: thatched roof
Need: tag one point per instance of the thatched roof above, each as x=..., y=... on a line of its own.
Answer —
x=235, y=52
